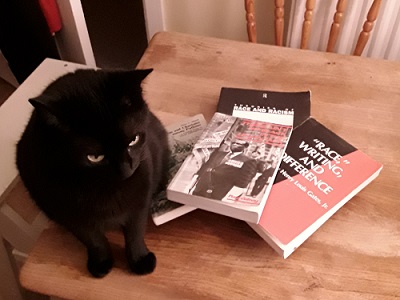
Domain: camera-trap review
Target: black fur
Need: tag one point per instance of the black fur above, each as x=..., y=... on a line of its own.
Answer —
x=96, y=113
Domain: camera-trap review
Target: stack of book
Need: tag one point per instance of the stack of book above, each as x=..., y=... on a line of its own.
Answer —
x=264, y=160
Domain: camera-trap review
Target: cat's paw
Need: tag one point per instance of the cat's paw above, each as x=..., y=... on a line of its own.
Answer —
x=144, y=265
x=99, y=268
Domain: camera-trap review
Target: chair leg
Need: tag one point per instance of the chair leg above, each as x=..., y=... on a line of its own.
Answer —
x=9, y=287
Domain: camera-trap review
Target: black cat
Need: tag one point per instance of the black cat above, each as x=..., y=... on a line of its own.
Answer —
x=92, y=156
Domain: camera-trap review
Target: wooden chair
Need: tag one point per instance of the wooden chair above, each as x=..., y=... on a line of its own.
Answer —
x=307, y=24
x=21, y=223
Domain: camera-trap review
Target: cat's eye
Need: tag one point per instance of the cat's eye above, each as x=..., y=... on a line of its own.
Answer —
x=135, y=140
x=95, y=158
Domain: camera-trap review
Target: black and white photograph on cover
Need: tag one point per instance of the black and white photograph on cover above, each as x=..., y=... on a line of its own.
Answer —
x=224, y=170
x=266, y=171
x=182, y=136
x=239, y=169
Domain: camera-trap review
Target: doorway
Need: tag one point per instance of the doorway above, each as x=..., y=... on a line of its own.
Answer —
x=117, y=32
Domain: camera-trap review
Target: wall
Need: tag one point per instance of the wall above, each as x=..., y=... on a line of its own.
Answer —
x=220, y=18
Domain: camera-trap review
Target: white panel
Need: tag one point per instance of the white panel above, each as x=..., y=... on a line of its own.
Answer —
x=393, y=50
x=73, y=40
x=317, y=24
x=383, y=28
x=83, y=33
x=15, y=113
x=297, y=23
x=291, y=23
x=154, y=17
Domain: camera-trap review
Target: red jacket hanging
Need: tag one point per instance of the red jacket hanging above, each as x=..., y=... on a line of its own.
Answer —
x=52, y=15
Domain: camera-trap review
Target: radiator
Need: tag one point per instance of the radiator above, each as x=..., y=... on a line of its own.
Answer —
x=384, y=41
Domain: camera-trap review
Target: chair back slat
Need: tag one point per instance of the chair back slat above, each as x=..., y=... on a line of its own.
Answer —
x=251, y=21
x=337, y=21
x=279, y=21
x=338, y=17
x=368, y=26
x=305, y=35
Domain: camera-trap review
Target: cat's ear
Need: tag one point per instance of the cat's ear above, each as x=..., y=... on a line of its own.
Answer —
x=141, y=74
x=44, y=111
x=132, y=87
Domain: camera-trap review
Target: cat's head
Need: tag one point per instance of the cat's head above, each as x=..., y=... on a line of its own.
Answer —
x=95, y=122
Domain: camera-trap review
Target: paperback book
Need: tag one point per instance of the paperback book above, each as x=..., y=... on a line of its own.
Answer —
x=265, y=105
x=318, y=174
x=232, y=166
x=181, y=137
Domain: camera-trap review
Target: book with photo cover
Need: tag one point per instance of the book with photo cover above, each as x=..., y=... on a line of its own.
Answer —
x=232, y=166
x=182, y=136
x=318, y=174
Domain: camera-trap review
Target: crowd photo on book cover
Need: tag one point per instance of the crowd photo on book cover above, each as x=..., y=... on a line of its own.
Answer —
x=235, y=159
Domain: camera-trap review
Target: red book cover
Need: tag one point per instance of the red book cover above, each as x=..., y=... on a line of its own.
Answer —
x=318, y=174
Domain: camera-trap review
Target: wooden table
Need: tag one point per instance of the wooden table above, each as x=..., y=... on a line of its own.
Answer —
x=355, y=255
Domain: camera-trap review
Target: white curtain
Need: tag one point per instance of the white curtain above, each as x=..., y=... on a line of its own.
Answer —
x=384, y=41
